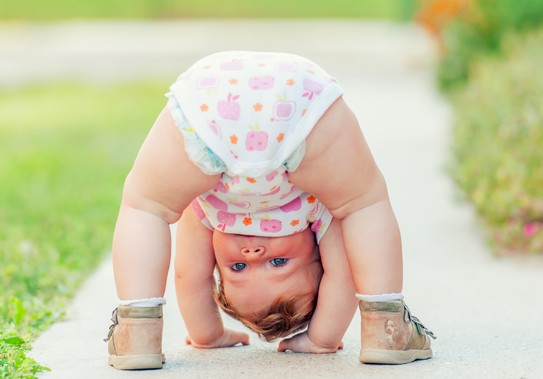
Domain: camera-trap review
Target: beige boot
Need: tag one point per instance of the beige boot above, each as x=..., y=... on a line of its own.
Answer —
x=390, y=335
x=135, y=338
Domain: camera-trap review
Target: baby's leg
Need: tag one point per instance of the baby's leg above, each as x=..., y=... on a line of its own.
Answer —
x=141, y=254
x=161, y=184
x=339, y=169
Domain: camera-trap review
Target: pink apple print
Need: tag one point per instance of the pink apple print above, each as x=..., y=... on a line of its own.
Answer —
x=316, y=226
x=261, y=82
x=271, y=226
x=271, y=175
x=284, y=110
x=287, y=66
x=273, y=191
x=217, y=203
x=293, y=206
x=242, y=204
x=312, y=87
x=198, y=210
x=215, y=128
x=208, y=82
x=233, y=65
x=220, y=188
x=256, y=141
x=225, y=219
x=230, y=108
x=285, y=195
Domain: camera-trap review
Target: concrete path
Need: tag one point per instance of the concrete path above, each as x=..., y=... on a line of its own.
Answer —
x=485, y=311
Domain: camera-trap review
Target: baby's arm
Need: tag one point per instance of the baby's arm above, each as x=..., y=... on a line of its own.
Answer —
x=336, y=302
x=194, y=282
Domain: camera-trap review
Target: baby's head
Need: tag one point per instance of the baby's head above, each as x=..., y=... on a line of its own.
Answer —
x=270, y=284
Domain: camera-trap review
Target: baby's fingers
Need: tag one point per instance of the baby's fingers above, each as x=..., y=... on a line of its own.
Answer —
x=233, y=338
x=302, y=344
x=228, y=339
x=283, y=346
x=295, y=344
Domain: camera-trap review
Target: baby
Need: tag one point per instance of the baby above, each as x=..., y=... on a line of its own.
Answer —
x=268, y=283
x=272, y=154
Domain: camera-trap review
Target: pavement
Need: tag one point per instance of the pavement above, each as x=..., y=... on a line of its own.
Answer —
x=485, y=310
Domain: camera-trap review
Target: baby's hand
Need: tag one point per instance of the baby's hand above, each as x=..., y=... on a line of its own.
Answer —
x=301, y=343
x=228, y=339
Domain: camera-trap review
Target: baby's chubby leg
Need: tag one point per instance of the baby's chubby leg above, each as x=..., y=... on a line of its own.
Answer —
x=161, y=184
x=339, y=169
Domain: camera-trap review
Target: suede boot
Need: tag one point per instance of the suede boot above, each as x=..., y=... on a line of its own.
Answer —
x=135, y=338
x=390, y=335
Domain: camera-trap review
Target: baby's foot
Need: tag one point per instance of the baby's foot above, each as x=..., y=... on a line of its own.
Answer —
x=391, y=335
x=135, y=338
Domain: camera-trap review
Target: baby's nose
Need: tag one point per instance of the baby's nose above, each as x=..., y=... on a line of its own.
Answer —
x=253, y=250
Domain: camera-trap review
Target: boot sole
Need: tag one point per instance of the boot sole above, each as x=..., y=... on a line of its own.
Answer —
x=137, y=362
x=393, y=357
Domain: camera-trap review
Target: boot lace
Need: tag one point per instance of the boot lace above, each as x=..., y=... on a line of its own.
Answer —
x=418, y=325
x=115, y=321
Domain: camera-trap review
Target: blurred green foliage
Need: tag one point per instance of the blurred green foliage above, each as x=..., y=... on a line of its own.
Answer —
x=65, y=151
x=498, y=142
x=61, y=9
x=491, y=68
x=479, y=30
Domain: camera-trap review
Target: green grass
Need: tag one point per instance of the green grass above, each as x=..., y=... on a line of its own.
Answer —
x=61, y=9
x=498, y=143
x=64, y=153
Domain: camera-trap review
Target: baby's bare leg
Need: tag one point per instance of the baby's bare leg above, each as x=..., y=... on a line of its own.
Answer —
x=373, y=240
x=161, y=184
x=141, y=254
x=340, y=170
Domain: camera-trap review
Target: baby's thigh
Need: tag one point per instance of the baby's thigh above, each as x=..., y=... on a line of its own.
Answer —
x=338, y=166
x=163, y=180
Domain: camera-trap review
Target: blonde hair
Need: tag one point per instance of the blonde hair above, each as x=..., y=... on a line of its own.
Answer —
x=284, y=317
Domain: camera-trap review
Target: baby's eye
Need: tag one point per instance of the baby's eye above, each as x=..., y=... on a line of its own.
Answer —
x=277, y=262
x=238, y=266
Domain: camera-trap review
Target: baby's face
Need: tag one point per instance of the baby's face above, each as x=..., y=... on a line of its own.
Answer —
x=256, y=271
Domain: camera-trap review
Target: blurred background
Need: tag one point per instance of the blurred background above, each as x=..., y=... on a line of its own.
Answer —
x=182, y=9
x=74, y=110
